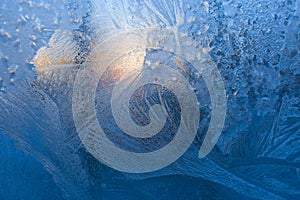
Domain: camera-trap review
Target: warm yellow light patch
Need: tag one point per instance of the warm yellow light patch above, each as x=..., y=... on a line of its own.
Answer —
x=62, y=50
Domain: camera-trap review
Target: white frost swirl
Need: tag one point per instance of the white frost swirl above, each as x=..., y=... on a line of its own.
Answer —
x=136, y=42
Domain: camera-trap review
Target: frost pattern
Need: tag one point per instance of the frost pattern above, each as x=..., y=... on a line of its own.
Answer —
x=256, y=47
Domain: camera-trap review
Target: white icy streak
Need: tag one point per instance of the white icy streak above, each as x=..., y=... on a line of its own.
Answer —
x=111, y=17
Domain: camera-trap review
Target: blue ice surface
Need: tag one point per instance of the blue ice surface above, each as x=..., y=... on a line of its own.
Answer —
x=255, y=45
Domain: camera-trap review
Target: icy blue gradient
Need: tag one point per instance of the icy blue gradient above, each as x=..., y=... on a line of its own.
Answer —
x=256, y=47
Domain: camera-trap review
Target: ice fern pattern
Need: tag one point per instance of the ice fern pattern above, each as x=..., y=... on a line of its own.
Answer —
x=255, y=46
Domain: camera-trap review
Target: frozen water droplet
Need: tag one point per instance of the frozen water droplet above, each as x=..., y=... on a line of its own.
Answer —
x=33, y=37
x=13, y=69
x=191, y=20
